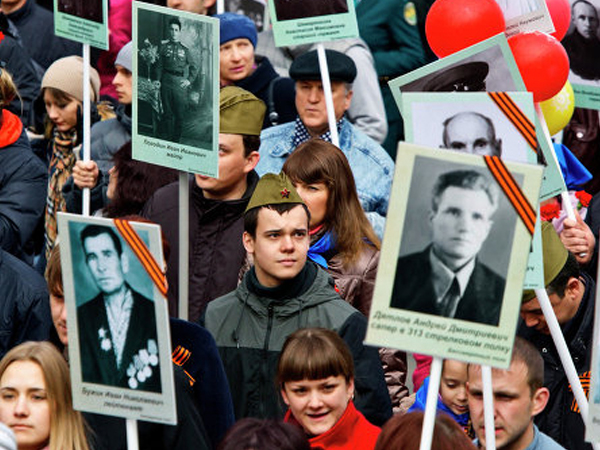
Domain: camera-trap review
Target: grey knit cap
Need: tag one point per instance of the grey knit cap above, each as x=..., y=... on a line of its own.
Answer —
x=66, y=74
x=124, y=57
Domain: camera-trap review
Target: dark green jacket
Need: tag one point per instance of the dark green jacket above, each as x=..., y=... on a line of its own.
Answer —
x=250, y=332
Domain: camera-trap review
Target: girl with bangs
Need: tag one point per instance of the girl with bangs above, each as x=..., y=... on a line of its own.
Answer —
x=315, y=375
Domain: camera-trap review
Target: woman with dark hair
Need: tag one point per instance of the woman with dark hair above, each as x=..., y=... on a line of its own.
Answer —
x=131, y=183
x=259, y=434
x=316, y=376
x=403, y=432
x=342, y=240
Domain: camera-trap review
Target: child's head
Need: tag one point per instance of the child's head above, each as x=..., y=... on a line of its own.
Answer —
x=453, y=387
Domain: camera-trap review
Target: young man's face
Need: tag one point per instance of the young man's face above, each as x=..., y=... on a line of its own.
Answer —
x=234, y=166
x=174, y=31
x=105, y=264
x=514, y=405
x=280, y=245
x=310, y=103
x=123, y=85
x=564, y=308
x=460, y=225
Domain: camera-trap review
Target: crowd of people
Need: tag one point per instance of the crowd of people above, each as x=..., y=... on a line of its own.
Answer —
x=283, y=247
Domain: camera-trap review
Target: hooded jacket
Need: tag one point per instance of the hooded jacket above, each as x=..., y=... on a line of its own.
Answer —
x=250, y=332
x=216, y=252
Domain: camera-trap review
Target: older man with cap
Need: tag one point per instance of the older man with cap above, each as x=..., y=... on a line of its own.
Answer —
x=572, y=296
x=216, y=206
x=281, y=293
x=371, y=165
x=240, y=66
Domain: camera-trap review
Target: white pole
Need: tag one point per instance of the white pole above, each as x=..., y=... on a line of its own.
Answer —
x=184, y=242
x=564, y=354
x=86, y=122
x=488, y=408
x=328, y=95
x=220, y=6
x=132, y=434
x=435, y=375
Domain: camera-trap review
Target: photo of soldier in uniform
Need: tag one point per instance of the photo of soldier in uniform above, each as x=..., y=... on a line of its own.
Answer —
x=301, y=9
x=582, y=43
x=449, y=264
x=86, y=9
x=174, y=79
x=116, y=323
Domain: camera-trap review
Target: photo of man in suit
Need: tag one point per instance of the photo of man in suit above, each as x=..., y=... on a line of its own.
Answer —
x=582, y=43
x=446, y=278
x=113, y=351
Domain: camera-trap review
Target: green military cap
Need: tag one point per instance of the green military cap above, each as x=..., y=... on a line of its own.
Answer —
x=467, y=77
x=240, y=112
x=273, y=189
x=306, y=67
x=555, y=257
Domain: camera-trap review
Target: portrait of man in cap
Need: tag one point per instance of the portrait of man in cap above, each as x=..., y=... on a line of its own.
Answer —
x=301, y=9
x=471, y=132
x=447, y=277
x=117, y=327
x=582, y=43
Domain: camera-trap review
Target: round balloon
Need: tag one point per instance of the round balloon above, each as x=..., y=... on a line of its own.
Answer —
x=452, y=25
x=558, y=110
x=560, y=12
x=542, y=61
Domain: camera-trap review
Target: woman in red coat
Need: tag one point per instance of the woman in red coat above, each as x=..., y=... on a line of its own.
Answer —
x=316, y=377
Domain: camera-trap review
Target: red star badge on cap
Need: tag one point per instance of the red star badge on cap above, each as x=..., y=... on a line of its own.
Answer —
x=285, y=193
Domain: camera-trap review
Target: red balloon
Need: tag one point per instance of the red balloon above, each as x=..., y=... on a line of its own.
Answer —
x=542, y=61
x=560, y=12
x=453, y=25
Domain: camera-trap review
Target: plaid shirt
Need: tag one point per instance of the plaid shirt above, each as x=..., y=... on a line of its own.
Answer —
x=302, y=135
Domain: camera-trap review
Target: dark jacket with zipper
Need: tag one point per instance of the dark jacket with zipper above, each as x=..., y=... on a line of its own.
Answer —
x=216, y=252
x=250, y=332
x=561, y=419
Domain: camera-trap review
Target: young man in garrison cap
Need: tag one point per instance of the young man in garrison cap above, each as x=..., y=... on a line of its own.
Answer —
x=216, y=206
x=280, y=294
x=372, y=167
x=572, y=296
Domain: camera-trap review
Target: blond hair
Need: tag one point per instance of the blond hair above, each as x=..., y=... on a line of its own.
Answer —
x=67, y=430
x=8, y=89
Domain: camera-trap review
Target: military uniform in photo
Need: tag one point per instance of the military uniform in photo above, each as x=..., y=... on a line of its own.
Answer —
x=174, y=64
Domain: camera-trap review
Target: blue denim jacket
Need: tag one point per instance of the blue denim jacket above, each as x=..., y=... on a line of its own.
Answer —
x=372, y=167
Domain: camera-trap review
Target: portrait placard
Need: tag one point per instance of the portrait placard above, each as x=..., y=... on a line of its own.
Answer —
x=471, y=122
x=486, y=66
x=592, y=426
x=582, y=43
x=452, y=266
x=175, y=89
x=84, y=21
x=297, y=22
x=119, y=339
x=255, y=10
x=526, y=15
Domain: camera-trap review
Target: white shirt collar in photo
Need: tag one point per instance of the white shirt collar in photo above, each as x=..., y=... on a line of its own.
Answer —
x=442, y=276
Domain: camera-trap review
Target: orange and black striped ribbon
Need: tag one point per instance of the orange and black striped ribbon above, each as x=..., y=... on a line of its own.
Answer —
x=512, y=190
x=143, y=253
x=180, y=355
x=513, y=113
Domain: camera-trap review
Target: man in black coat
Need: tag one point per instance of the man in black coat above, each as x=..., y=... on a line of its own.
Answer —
x=114, y=352
x=447, y=279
